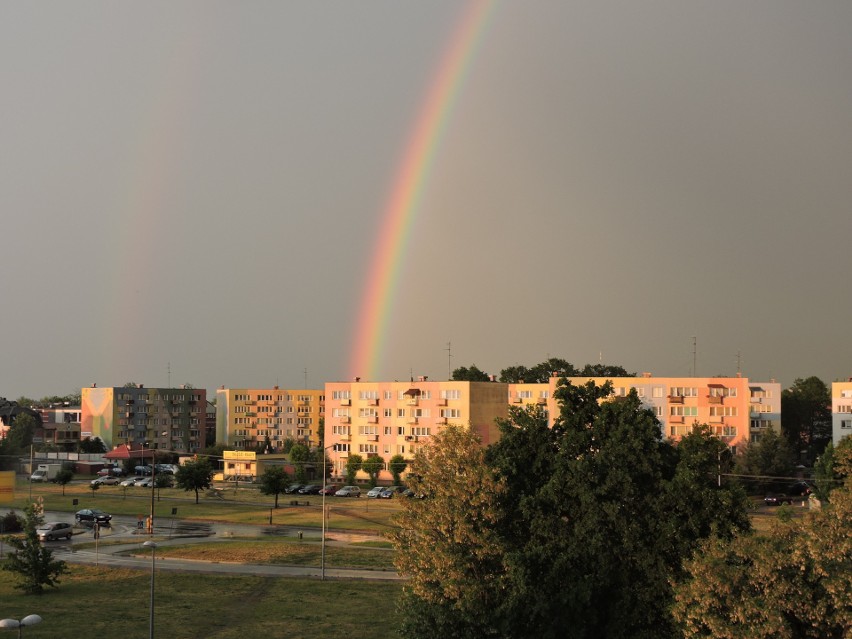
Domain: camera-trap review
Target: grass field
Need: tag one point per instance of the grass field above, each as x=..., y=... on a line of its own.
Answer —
x=242, y=506
x=115, y=602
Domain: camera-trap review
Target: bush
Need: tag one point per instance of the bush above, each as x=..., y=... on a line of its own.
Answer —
x=11, y=523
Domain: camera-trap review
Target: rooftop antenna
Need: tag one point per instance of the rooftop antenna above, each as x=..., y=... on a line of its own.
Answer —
x=306, y=378
x=694, y=356
x=739, y=363
x=169, y=372
x=449, y=360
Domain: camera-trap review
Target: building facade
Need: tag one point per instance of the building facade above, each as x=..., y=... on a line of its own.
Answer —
x=170, y=419
x=60, y=427
x=245, y=417
x=736, y=409
x=395, y=418
x=841, y=410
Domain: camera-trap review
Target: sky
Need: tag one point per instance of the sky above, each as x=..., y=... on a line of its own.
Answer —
x=195, y=192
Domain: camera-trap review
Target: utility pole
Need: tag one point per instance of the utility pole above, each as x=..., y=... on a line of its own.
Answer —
x=694, y=356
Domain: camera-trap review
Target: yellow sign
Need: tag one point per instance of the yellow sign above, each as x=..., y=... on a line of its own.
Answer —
x=241, y=455
x=7, y=486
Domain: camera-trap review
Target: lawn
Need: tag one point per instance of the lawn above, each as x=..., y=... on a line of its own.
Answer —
x=115, y=602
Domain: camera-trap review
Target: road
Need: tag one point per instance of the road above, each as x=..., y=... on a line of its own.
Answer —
x=182, y=532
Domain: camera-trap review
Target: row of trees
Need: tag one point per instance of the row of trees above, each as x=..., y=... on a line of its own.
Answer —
x=588, y=525
x=540, y=373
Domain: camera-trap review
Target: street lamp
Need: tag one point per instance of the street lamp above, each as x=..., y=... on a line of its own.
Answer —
x=29, y=620
x=322, y=554
x=153, y=547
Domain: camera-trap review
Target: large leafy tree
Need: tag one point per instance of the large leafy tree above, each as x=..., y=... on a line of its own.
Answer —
x=472, y=374
x=32, y=561
x=767, y=463
x=557, y=367
x=92, y=445
x=373, y=466
x=447, y=544
x=353, y=465
x=806, y=410
x=274, y=481
x=397, y=466
x=195, y=475
x=299, y=456
x=796, y=581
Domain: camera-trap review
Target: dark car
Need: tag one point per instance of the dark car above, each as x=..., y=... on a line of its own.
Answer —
x=330, y=489
x=390, y=492
x=800, y=489
x=91, y=515
x=776, y=499
x=54, y=530
x=310, y=489
x=293, y=488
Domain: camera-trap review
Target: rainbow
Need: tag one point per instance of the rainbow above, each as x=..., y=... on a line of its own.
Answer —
x=405, y=196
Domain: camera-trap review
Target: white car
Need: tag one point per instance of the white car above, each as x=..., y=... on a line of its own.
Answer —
x=375, y=491
x=105, y=481
x=54, y=530
x=130, y=481
x=144, y=482
x=348, y=491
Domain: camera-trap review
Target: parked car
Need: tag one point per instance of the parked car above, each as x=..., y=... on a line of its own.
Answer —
x=130, y=481
x=112, y=470
x=800, y=489
x=390, y=492
x=54, y=530
x=310, y=489
x=105, y=481
x=410, y=493
x=331, y=489
x=776, y=499
x=92, y=515
x=293, y=488
x=375, y=491
x=143, y=470
x=348, y=491
x=143, y=482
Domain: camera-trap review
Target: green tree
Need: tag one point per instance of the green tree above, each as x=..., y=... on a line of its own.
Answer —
x=162, y=480
x=829, y=469
x=353, y=465
x=92, y=445
x=472, y=374
x=20, y=434
x=793, y=582
x=195, y=475
x=274, y=481
x=766, y=463
x=397, y=466
x=321, y=431
x=299, y=456
x=373, y=465
x=446, y=545
x=806, y=407
x=287, y=445
x=64, y=477
x=32, y=561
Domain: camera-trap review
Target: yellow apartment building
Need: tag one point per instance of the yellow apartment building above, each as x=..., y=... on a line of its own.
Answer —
x=245, y=417
x=395, y=418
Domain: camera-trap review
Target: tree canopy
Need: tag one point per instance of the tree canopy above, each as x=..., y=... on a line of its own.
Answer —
x=582, y=524
x=557, y=367
x=472, y=374
x=195, y=475
x=32, y=561
x=274, y=481
x=806, y=407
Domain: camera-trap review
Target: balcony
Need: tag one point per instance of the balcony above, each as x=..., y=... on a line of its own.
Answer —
x=440, y=420
x=372, y=402
x=345, y=402
x=372, y=438
x=442, y=402
x=676, y=419
x=343, y=438
x=412, y=402
x=373, y=420
x=675, y=399
x=714, y=399
x=345, y=420
x=411, y=420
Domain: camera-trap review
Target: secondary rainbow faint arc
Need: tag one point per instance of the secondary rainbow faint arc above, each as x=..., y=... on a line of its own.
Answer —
x=408, y=187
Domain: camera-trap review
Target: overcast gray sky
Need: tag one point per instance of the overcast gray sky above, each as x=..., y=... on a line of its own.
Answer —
x=198, y=186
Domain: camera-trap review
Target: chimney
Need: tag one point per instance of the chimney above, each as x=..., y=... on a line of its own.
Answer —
x=275, y=387
x=357, y=379
x=646, y=374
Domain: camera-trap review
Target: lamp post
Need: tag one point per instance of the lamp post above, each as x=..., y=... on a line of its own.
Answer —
x=29, y=620
x=322, y=554
x=153, y=547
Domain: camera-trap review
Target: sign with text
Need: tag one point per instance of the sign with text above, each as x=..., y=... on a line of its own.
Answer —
x=7, y=486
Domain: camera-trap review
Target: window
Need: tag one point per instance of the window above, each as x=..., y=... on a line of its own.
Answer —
x=340, y=412
x=544, y=394
x=844, y=408
x=340, y=394
x=388, y=412
x=723, y=411
x=421, y=412
x=420, y=431
x=388, y=430
x=368, y=430
x=368, y=394
x=657, y=391
x=400, y=412
x=451, y=413
x=721, y=391
x=367, y=412
x=846, y=423
x=368, y=448
x=684, y=411
x=525, y=394
x=451, y=394
x=683, y=391
x=847, y=393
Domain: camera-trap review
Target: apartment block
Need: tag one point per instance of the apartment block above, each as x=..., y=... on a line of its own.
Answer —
x=395, y=418
x=841, y=410
x=163, y=418
x=737, y=410
x=245, y=417
x=60, y=427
